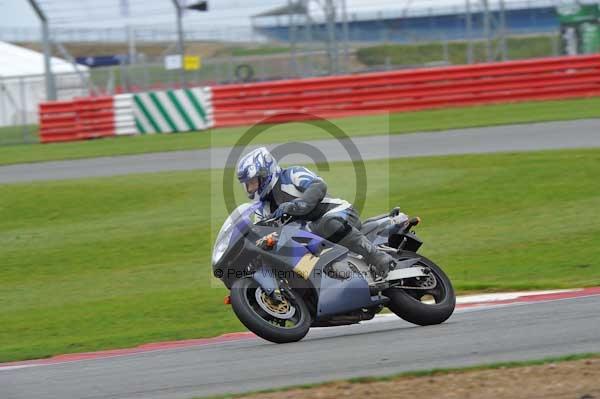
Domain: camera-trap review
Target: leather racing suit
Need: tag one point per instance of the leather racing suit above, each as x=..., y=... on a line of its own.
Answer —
x=302, y=194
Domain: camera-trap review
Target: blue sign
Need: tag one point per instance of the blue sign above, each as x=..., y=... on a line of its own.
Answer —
x=102, y=60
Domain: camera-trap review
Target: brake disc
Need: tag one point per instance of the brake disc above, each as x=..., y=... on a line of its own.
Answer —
x=280, y=309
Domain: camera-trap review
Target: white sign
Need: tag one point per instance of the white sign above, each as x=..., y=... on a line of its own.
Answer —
x=173, y=62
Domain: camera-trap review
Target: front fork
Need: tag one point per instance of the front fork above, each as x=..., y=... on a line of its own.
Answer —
x=265, y=278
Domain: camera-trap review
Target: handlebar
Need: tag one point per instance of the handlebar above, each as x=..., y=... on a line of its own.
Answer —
x=282, y=221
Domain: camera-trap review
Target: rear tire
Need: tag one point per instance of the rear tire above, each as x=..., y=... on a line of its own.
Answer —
x=406, y=303
x=247, y=309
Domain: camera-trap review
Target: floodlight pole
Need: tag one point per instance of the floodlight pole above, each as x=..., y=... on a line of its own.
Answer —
x=469, y=28
x=50, y=84
x=292, y=35
x=503, y=44
x=180, y=40
x=332, y=48
x=309, y=37
x=487, y=30
x=346, y=36
x=308, y=21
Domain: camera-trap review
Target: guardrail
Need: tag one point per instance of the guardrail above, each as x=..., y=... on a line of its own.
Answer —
x=407, y=90
x=124, y=120
x=78, y=119
x=124, y=114
x=58, y=121
x=330, y=97
x=173, y=110
x=95, y=117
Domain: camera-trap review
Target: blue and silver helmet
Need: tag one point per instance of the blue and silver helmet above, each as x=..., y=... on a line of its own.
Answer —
x=258, y=172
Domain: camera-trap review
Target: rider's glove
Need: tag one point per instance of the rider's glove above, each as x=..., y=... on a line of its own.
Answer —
x=298, y=208
x=284, y=208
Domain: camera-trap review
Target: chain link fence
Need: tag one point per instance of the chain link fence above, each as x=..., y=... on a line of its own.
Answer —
x=19, y=99
x=274, y=62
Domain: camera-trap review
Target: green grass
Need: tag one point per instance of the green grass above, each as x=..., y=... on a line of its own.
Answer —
x=421, y=373
x=114, y=262
x=398, y=123
x=237, y=51
x=416, y=54
x=519, y=47
x=18, y=134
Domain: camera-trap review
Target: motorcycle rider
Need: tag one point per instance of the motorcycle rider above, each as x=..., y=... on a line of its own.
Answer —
x=298, y=192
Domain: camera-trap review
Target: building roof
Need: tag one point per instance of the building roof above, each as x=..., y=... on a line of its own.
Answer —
x=294, y=8
x=20, y=61
x=364, y=10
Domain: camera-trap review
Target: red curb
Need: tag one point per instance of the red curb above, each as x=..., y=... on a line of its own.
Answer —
x=71, y=357
x=537, y=298
x=241, y=336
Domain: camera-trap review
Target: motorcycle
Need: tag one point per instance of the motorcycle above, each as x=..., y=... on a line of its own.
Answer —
x=283, y=279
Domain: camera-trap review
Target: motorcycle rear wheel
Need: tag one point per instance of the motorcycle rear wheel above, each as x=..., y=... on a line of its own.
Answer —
x=261, y=319
x=408, y=304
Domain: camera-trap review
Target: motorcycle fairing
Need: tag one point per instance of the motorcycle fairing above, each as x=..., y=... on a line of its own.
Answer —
x=342, y=296
x=307, y=255
x=337, y=296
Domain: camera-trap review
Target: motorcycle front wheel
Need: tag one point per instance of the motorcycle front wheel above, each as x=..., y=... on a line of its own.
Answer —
x=277, y=321
x=423, y=306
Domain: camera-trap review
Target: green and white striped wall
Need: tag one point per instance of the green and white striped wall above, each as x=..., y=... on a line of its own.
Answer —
x=173, y=110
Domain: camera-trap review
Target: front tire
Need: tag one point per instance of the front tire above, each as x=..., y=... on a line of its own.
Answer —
x=284, y=322
x=408, y=305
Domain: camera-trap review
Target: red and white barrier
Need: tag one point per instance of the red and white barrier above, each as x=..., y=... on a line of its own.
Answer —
x=329, y=97
x=126, y=114
x=95, y=117
x=78, y=119
x=407, y=90
x=58, y=121
x=124, y=119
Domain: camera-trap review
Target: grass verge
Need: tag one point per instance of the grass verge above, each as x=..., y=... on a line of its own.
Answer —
x=115, y=262
x=13, y=135
x=421, y=373
x=524, y=47
x=398, y=123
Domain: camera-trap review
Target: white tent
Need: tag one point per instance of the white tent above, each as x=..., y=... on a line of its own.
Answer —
x=23, y=85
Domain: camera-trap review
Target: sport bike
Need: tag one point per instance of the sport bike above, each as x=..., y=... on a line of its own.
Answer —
x=283, y=279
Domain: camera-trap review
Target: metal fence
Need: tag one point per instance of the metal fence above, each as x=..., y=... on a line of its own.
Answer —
x=140, y=34
x=19, y=96
x=19, y=99
x=250, y=57
x=310, y=60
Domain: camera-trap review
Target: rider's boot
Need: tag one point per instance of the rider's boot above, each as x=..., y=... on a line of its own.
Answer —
x=380, y=261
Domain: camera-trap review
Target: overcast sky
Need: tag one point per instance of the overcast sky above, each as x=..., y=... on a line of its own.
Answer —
x=85, y=13
x=107, y=13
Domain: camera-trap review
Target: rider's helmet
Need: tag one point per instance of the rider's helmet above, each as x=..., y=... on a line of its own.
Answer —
x=258, y=172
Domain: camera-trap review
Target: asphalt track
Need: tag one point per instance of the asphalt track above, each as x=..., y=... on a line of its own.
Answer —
x=472, y=336
x=511, y=138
